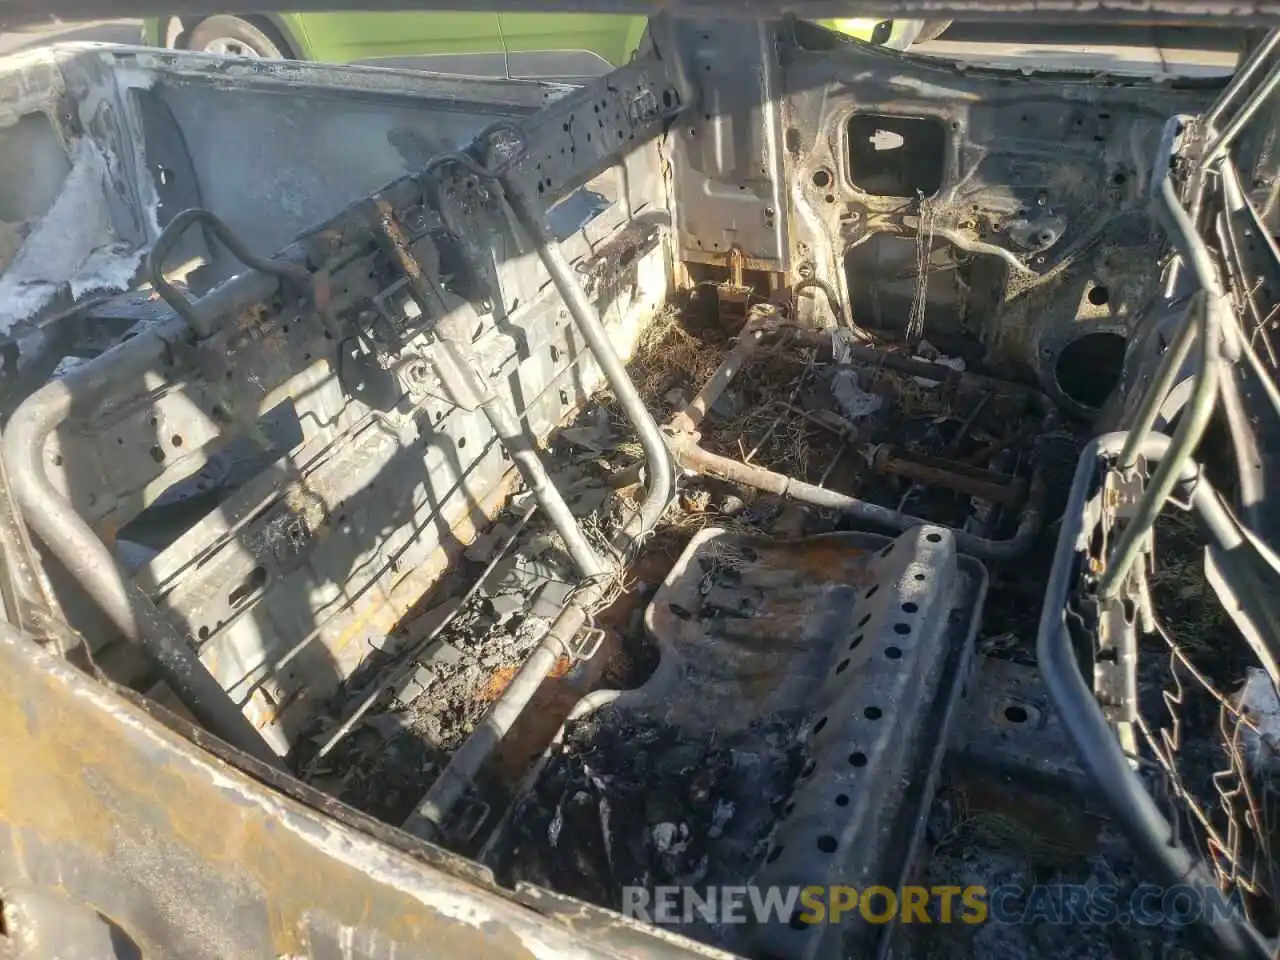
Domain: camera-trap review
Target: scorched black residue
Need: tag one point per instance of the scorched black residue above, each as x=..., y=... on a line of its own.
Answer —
x=625, y=800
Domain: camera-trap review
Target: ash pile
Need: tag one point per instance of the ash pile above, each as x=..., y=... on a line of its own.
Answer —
x=626, y=800
x=390, y=758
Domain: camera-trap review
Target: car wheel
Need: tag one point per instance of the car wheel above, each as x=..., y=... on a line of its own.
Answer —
x=932, y=30
x=236, y=37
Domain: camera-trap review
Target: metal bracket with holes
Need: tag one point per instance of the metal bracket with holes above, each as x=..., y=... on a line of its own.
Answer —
x=586, y=644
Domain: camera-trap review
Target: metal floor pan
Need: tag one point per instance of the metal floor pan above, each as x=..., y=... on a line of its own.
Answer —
x=791, y=734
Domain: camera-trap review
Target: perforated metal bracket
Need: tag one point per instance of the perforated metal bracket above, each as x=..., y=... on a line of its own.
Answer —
x=581, y=134
x=586, y=644
x=1121, y=619
x=1122, y=491
x=1115, y=671
x=876, y=735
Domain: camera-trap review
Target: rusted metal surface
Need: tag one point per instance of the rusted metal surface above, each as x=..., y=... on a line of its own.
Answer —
x=297, y=573
x=757, y=325
x=954, y=475
x=795, y=654
x=559, y=641
x=399, y=243
x=120, y=813
x=733, y=297
x=950, y=474
x=692, y=457
x=314, y=557
x=949, y=379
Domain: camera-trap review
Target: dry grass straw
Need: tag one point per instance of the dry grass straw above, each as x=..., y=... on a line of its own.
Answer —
x=991, y=830
x=668, y=356
x=1181, y=590
x=915, y=400
x=766, y=432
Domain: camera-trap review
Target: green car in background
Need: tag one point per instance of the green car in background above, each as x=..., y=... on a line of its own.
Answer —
x=521, y=45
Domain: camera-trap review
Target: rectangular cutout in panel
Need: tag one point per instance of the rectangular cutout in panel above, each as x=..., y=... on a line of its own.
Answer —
x=896, y=156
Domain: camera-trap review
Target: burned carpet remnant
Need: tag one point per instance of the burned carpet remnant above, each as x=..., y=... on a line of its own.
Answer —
x=384, y=765
x=1039, y=872
x=629, y=801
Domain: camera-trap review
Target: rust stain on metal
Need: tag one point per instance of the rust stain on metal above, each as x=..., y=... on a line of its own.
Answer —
x=823, y=561
x=80, y=765
x=500, y=680
x=322, y=290
x=399, y=242
x=385, y=607
x=953, y=475
x=502, y=677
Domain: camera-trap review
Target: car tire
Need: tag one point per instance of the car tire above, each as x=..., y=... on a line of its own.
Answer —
x=932, y=30
x=237, y=37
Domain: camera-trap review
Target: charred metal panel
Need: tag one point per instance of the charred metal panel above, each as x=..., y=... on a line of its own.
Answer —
x=804, y=693
x=1010, y=731
x=138, y=135
x=299, y=473
x=109, y=815
x=1042, y=208
x=877, y=733
x=1028, y=194
x=727, y=165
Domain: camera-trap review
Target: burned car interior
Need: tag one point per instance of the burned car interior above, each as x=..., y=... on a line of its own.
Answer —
x=433, y=507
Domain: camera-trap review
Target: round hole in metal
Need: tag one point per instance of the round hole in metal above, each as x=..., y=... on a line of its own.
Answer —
x=1016, y=714
x=1089, y=367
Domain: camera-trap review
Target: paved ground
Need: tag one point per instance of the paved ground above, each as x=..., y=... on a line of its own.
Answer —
x=1136, y=50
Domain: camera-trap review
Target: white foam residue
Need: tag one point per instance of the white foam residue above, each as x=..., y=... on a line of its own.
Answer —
x=76, y=223
x=73, y=243
x=854, y=401
x=927, y=351
x=20, y=299
x=65, y=366
x=108, y=269
x=1261, y=737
